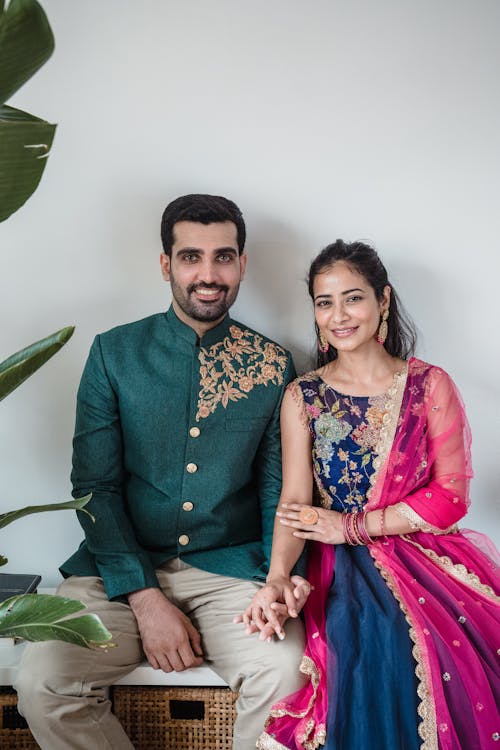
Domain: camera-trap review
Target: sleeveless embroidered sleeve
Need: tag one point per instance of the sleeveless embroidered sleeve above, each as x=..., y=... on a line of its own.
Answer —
x=295, y=392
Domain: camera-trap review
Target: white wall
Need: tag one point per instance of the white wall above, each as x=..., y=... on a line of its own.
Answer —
x=334, y=118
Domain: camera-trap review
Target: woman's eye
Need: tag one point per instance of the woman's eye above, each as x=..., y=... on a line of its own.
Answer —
x=354, y=298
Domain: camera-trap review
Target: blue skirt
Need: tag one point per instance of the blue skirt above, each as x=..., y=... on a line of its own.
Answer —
x=372, y=685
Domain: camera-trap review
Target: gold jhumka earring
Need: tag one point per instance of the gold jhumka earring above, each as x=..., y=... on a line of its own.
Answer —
x=323, y=344
x=383, y=328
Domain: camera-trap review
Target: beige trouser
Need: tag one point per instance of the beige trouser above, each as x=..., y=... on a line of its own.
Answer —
x=62, y=688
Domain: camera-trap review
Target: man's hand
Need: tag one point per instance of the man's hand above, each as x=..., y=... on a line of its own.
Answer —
x=169, y=639
x=273, y=604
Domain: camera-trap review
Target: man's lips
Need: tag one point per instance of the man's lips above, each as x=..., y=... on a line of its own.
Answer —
x=208, y=294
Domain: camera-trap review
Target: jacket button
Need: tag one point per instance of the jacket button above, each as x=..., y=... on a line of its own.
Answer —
x=188, y=505
x=183, y=539
x=191, y=468
x=194, y=432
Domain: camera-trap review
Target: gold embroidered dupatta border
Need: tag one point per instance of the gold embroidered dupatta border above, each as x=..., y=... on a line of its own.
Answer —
x=427, y=728
x=266, y=742
x=387, y=433
x=457, y=570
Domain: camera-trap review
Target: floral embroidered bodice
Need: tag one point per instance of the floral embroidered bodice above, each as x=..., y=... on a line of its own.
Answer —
x=345, y=432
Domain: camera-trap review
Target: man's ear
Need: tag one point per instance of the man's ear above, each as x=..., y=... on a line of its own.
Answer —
x=165, y=266
x=243, y=265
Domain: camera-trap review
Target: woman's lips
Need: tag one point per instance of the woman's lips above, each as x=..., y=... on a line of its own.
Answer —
x=343, y=333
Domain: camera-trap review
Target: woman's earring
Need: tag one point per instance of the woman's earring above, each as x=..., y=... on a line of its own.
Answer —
x=383, y=328
x=323, y=344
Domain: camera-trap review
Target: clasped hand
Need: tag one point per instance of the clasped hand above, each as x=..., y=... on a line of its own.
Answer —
x=273, y=604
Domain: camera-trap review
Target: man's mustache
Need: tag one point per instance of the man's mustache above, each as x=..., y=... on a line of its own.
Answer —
x=219, y=287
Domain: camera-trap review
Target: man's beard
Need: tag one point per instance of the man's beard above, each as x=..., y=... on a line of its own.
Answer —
x=203, y=311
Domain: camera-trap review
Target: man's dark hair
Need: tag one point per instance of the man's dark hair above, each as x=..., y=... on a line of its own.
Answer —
x=205, y=209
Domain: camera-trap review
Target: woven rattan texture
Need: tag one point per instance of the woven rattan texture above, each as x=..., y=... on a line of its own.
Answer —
x=14, y=733
x=164, y=718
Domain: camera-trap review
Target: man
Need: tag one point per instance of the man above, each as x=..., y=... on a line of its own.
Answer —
x=177, y=437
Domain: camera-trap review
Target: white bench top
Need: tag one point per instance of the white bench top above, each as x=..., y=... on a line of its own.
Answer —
x=144, y=674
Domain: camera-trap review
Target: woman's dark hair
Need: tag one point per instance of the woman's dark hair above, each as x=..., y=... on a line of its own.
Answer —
x=363, y=259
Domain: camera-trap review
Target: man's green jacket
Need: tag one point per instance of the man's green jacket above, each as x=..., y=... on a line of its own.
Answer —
x=178, y=441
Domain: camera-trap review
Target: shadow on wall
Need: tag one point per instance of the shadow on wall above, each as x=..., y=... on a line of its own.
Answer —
x=274, y=297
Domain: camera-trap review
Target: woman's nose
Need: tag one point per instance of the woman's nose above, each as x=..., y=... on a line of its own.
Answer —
x=339, y=313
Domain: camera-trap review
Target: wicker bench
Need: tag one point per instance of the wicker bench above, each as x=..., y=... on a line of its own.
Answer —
x=191, y=710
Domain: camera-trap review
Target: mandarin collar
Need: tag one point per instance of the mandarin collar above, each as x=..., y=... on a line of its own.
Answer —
x=212, y=336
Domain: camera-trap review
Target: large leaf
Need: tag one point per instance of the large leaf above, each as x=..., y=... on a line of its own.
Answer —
x=17, y=368
x=25, y=142
x=26, y=43
x=13, y=515
x=41, y=617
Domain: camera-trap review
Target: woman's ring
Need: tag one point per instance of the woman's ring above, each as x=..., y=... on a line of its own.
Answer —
x=308, y=516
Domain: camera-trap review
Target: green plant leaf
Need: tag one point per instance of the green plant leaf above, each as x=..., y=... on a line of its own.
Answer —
x=26, y=43
x=17, y=368
x=45, y=608
x=25, y=143
x=41, y=617
x=13, y=515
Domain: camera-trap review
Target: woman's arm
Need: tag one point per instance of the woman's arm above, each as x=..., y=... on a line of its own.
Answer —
x=329, y=528
x=296, y=488
x=439, y=502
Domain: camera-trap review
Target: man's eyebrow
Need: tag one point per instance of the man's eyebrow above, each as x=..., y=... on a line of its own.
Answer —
x=228, y=249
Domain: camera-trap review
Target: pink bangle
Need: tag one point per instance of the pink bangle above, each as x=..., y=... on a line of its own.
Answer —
x=353, y=525
x=346, y=529
x=354, y=529
x=363, y=533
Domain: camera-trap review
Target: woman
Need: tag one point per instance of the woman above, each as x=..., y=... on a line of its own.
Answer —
x=403, y=619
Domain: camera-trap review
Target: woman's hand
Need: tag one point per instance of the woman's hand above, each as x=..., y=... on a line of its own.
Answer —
x=327, y=529
x=273, y=604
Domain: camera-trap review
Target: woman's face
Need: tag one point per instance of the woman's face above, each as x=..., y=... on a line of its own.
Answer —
x=346, y=309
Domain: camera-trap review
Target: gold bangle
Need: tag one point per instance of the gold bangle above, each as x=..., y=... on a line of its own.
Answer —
x=382, y=520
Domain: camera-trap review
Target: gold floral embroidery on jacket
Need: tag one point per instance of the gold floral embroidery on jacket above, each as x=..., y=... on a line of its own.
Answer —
x=231, y=368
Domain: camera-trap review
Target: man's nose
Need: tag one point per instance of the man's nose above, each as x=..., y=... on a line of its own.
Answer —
x=207, y=272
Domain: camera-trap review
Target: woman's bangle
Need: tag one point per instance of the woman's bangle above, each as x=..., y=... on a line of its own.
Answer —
x=382, y=522
x=361, y=527
x=347, y=529
x=354, y=529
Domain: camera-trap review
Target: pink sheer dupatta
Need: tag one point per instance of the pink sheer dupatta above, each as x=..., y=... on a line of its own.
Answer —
x=446, y=582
